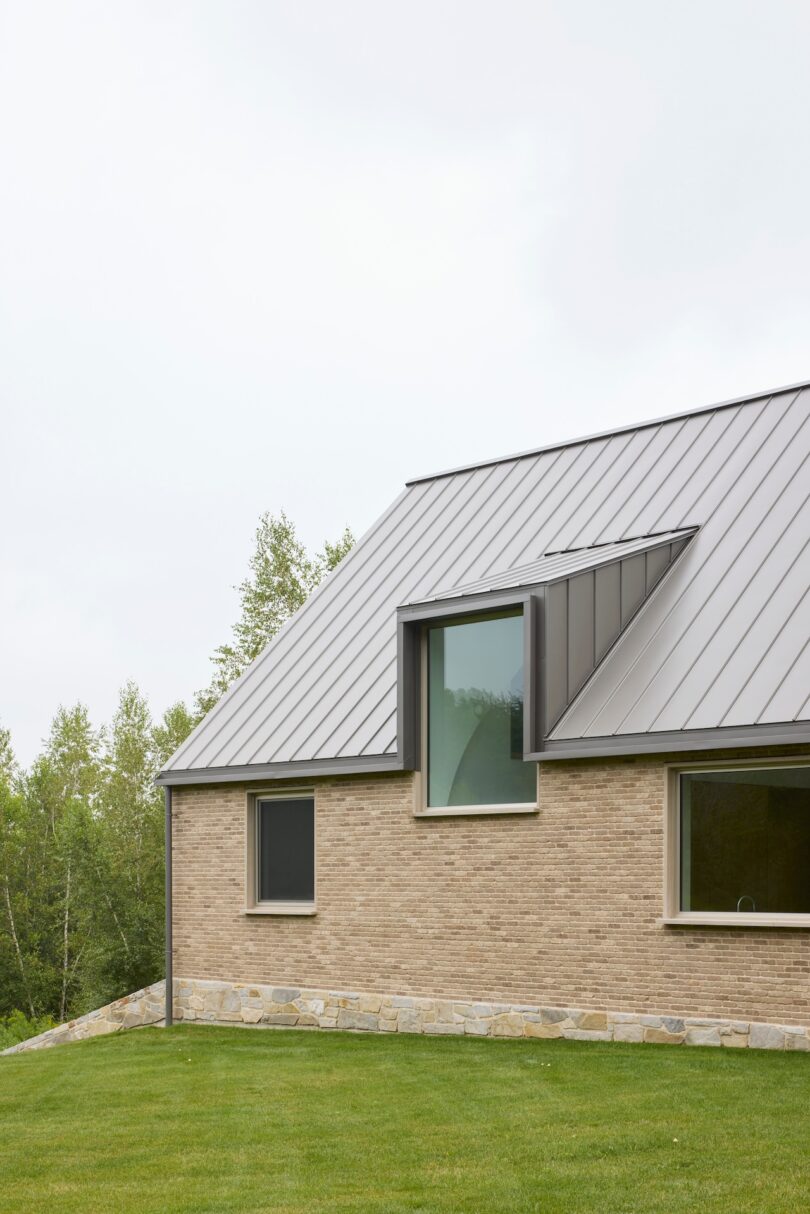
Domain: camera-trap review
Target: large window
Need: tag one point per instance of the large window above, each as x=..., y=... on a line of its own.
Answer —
x=745, y=841
x=281, y=860
x=475, y=715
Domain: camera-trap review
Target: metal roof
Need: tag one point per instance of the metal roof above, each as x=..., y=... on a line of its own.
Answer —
x=642, y=425
x=555, y=566
x=724, y=641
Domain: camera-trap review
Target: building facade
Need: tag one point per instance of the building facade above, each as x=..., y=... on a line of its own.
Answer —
x=533, y=761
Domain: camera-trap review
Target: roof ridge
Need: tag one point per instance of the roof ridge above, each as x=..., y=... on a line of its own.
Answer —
x=587, y=438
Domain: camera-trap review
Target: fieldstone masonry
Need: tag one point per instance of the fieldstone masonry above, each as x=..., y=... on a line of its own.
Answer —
x=248, y=1004
x=133, y=1011
x=280, y=1006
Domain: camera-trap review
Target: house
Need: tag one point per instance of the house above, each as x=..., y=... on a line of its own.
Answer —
x=533, y=761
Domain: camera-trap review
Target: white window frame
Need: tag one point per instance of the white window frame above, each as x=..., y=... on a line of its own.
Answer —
x=673, y=915
x=421, y=807
x=253, y=904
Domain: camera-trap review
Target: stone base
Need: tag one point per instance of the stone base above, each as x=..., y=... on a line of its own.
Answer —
x=228, y=1003
x=133, y=1011
x=253, y=1004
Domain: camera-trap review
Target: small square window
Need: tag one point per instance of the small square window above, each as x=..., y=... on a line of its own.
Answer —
x=281, y=860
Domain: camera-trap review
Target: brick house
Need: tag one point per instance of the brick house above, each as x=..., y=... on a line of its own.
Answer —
x=533, y=760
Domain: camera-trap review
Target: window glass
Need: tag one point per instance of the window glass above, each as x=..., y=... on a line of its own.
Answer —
x=286, y=850
x=745, y=841
x=475, y=715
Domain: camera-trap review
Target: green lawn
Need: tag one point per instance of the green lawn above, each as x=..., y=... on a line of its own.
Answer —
x=202, y=1119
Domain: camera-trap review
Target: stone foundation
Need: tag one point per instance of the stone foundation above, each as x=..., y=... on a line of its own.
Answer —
x=133, y=1011
x=254, y=1004
x=229, y=1003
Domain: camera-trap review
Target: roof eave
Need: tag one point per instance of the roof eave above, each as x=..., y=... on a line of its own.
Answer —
x=731, y=737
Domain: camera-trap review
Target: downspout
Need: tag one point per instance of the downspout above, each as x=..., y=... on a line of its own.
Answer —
x=169, y=989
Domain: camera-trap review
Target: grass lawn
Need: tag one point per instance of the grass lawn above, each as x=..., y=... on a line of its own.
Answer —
x=203, y=1119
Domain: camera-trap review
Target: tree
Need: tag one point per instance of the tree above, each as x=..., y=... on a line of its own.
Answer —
x=177, y=723
x=127, y=855
x=15, y=977
x=81, y=832
x=44, y=855
x=8, y=764
x=282, y=576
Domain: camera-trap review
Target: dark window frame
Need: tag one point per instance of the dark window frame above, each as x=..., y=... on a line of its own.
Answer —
x=412, y=624
x=254, y=904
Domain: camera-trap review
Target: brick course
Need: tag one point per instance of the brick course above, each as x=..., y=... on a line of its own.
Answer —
x=558, y=909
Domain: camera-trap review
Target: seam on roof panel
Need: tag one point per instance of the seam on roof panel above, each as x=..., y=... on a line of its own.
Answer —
x=714, y=549
x=531, y=496
x=288, y=658
x=532, y=489
x=373, y=533
x=518, y=543
x=378, y=555
x=318, y=645
x=612, y=487
x=475, y=490
x=585, y=488
x=636, y=661
x=734, y=402
x=384, y=625
x=556, y=566
x=614, y=645
x=756, y=572
x=717, y=585
x=352, y=706
x=690, y=451
x=385, y=725
x=645, y=480
x=764, y=656
x=529, y=468
x=752, y=422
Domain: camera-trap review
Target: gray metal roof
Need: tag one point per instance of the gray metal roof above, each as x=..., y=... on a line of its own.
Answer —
x=555, y=566
x=724, y=641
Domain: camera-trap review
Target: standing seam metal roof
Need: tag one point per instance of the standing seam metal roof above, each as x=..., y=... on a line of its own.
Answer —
x=724, y=642
x=554, y=566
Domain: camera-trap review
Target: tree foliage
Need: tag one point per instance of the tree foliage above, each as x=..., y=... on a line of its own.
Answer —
x=81, y=831
x=282, y=577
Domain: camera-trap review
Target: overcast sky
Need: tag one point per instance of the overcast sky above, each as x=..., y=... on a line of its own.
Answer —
x=260, y=255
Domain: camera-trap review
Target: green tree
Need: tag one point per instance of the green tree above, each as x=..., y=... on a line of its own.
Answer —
x=16, y=979
x=170, y=733
x=127, y=851
x=8, y=764
x=282, y=576
x=46, y=881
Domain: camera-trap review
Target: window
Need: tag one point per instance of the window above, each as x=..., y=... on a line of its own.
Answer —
x=744, y=838
x=281, y=860
x=474, y=715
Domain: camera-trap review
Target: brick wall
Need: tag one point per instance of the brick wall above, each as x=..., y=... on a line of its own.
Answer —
x=558, y=908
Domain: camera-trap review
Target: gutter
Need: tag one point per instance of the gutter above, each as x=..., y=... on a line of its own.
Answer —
x=168, y=993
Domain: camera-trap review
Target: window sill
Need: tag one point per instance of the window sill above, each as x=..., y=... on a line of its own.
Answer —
x=734, y=919
x=281, y=908
x=447, y=811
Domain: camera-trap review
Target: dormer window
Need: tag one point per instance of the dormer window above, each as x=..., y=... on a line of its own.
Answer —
x=473, y=715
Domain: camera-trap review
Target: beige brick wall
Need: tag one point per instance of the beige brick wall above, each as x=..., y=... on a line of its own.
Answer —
x=558, y=908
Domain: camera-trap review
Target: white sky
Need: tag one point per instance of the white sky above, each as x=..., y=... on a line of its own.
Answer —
x=257, y=255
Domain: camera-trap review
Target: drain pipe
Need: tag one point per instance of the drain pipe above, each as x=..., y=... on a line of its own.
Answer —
x=168, y=995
